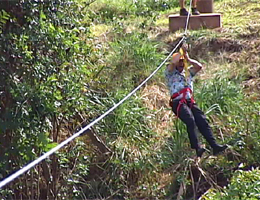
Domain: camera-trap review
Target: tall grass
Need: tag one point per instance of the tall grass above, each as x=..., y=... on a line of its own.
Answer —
x=238, y=19
x=234, y=116
x=131, y=59
x=109, y=10
x=221, y=91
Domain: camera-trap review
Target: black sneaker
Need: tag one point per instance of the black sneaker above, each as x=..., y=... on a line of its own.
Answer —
x=217, y=150
x=200, y=151
x=195, y=11
x=184, y=12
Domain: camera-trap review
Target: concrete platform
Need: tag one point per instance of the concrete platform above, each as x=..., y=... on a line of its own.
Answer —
x=209, y=21
x=205, y=6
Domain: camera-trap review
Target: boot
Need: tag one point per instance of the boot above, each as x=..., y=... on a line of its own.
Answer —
x=218, y=149
x=200, y=151
x=184, y=12
x=195, y=11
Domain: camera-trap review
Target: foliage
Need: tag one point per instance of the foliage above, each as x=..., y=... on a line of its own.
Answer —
x=107, y=10
x=222, y=98
x=221, y=91
x=57, y=75
x=126, y=129
x=43, y=73
x=129, y=61
x=4, y=16
x=243, y=185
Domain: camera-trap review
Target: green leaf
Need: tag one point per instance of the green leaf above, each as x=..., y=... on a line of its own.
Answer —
x=50, y=146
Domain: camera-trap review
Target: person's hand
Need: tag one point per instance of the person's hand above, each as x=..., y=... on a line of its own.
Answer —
x=184, y=48
x=186, y=56
x=185, y=51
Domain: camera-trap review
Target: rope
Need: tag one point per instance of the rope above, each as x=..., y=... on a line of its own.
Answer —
x=181, y=50
x=59, y=146
x=187, y=20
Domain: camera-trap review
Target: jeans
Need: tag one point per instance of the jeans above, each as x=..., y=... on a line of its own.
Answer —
x=193, y=117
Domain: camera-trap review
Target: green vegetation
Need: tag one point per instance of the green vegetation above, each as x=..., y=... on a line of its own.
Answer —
x=243, y=185
x=64, y=63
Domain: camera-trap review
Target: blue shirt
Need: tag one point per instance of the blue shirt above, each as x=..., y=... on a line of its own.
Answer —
x=176, y=81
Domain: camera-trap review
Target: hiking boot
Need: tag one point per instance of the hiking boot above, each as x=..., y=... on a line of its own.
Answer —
x=220, y=148
x=184, y=12
x=195, y=11
x=200, y=151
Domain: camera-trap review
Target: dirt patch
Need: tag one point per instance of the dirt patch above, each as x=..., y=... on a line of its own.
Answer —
x=251, y=88
x=156, y=98
x=218, y=45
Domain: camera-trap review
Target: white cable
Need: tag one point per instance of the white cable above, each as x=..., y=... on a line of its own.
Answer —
x=188, y=18
x=44, y=156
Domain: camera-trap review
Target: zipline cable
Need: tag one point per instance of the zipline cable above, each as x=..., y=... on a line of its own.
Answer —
x=59, y=146
x=188, y=19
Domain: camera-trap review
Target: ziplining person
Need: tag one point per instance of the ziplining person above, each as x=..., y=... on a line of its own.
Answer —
x=180, y=83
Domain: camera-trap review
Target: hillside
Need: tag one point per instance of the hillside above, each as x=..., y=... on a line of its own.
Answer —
x=65, y=63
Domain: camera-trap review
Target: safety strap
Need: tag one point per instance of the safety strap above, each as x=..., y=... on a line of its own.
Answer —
x=183, y=99
x=185, y=62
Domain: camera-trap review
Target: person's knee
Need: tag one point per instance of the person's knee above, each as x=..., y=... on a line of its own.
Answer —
x=190, y=122
x=202, y=121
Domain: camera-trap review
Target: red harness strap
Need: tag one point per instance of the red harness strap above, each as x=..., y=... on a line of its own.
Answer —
x=183, y=99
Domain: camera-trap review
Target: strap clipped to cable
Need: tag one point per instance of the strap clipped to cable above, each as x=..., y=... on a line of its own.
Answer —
x=185, y=62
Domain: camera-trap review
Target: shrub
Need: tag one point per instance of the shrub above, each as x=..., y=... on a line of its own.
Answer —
x=243, y=185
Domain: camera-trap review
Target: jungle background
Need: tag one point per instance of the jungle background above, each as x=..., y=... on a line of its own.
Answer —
x=63, y=63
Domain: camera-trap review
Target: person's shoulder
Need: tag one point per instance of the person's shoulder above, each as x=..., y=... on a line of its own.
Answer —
x=170, y=72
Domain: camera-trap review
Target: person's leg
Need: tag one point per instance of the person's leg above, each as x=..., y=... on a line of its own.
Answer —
x=182, y=3
x=194, y=4
x=194, y=8
x=186, y=116
x=206, y=130
x=183, y=11
x=203, y=125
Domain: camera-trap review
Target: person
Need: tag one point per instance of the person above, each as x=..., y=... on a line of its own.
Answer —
x=183, y=104
x=184, y=12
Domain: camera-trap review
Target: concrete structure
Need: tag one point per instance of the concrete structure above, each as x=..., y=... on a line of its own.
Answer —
x=210, y=21
x=207, y=19
x=205, y=6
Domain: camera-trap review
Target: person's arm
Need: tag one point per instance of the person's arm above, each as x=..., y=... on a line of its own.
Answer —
x=197, y=66
x=174, y=62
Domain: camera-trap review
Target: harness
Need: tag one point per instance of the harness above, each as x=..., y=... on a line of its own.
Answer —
x=184, y=90
x=185, y=65
x=183, y=99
